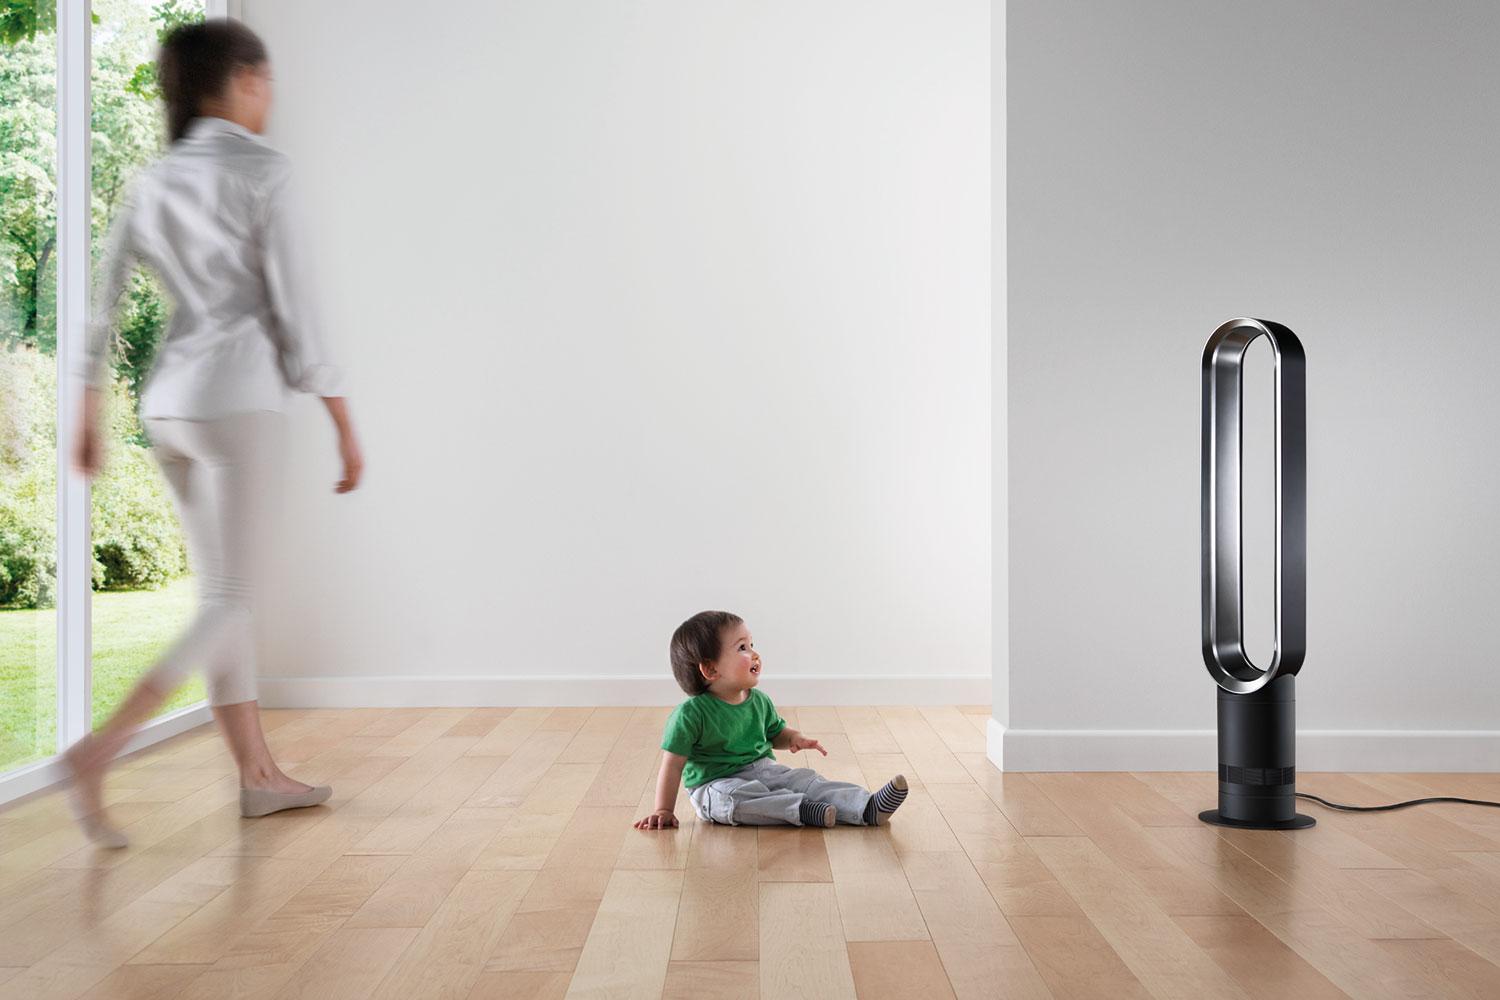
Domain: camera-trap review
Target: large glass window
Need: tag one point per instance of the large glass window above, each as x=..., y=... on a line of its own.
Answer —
x=136, y=566
x=28, y=384
x=143, y=595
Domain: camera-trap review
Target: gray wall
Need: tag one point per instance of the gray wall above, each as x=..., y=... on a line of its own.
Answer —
x=1331, y=166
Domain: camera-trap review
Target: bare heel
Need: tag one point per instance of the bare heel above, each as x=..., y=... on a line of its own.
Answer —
x=100, y=831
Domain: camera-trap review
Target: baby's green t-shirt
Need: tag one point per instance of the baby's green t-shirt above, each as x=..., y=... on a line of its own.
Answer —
x=718, y=738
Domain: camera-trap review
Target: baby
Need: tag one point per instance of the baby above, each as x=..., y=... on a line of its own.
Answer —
x=719, y=744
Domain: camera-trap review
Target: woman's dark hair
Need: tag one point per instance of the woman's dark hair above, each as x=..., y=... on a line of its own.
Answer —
x=196, y=62
x=699, y=640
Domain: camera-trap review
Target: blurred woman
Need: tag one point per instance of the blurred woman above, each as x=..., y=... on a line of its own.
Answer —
x=216, y=220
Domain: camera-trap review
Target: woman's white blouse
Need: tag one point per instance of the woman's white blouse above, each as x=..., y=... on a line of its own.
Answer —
x=217, y=221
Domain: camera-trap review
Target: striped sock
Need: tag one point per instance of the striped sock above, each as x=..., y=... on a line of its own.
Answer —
x=817, y=813
x=886, y=801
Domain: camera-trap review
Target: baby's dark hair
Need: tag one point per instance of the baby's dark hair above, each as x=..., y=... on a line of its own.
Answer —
x=699, y=640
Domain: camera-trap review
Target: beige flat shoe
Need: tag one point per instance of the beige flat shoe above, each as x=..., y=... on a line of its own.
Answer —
x=261, y=802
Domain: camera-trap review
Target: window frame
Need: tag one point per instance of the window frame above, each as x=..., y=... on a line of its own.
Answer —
x=74, y=542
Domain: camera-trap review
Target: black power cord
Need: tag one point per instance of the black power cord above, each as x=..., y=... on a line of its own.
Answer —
x=1397, y=805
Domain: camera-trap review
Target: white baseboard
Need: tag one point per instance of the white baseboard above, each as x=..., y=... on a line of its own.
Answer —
x=1197, y=750
x=653, y=689
x=994, y=742
x=44, y=774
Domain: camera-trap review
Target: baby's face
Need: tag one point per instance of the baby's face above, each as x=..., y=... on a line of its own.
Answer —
x=738, y=666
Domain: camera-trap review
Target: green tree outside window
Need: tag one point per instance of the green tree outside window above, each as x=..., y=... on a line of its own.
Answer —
x=137, y=542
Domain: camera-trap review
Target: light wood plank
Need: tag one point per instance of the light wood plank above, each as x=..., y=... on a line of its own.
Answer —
x=982, y=955
x=1263, y=966
x=791, y=853
x=663, y=849
x=511, y=733
x=919, y=827
x=144, y=982
x=930, y=757
x=630, y=943
x=414, y=892
x=595, y=835
x=83, y=963
x=448, y=954
x=718, y=915
x=867, y=731
x=719, y=980
x=552, y=923
x=1026, y=806
x=875, y=900
x=1340, y=891
x=522, y=770
x=896, y=970
x=596, y=737
x=479, y=723
x=521, y=986
x=433, y=724
x=802, y=950
x=349, y=965
x=1093, y=802
x=1350, y=961
x=953, y=728
x=1459, y=917
x=1160, y=954
x=1073, y=958
x=285, y=896
x=418, y=817
x=1446, y=969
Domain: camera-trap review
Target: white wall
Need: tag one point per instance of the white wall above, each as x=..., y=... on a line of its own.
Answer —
x=652, y=307
x=1328, y=166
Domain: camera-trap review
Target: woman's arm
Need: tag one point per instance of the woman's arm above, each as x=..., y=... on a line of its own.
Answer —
x=667, y=782
x=307, y=357
x=93, y=365
x=354, y=462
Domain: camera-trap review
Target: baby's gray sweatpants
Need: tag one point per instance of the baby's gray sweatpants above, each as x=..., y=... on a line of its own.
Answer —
x=765, y=793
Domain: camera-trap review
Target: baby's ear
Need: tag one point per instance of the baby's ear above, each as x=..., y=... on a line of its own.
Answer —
x=706, y=669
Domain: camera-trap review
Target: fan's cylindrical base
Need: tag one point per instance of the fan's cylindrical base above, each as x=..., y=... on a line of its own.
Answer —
x=1257, y=759
x=1297, y=822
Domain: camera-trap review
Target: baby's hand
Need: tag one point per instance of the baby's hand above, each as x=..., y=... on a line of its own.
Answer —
x=659, y=820
x=803, y=743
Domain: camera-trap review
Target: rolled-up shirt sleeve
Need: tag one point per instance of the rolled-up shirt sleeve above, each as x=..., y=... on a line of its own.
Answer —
x=119, y=260
x=307, y=357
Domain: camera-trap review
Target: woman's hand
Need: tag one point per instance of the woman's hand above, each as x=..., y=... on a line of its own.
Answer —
x=349, y=454
x=659, y=820
x=88, y=447
x=354, y=462
x=86, y=451
x=800, y=742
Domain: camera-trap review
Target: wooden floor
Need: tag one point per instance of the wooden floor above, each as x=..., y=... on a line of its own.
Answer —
x=489, y=853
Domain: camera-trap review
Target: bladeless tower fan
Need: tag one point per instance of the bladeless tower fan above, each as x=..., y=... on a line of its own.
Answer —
x=1257, y=707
